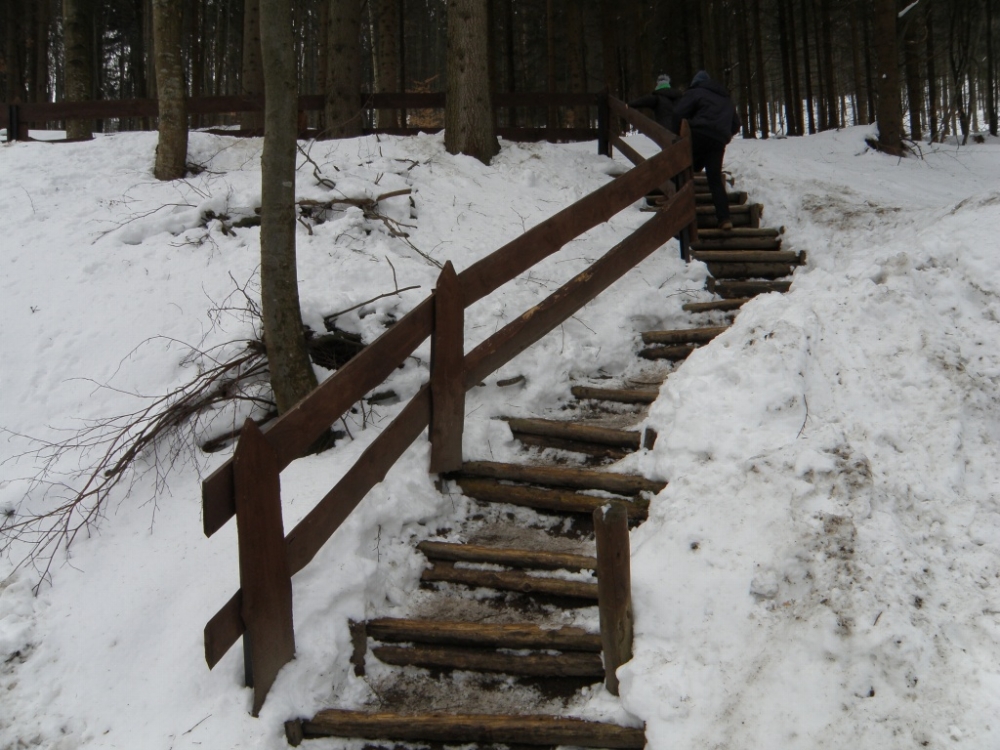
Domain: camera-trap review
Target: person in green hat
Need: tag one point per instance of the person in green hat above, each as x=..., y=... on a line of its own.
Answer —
x=661, y=101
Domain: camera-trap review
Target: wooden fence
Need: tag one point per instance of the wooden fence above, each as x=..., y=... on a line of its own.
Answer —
x=247, y=486
x=18, y=118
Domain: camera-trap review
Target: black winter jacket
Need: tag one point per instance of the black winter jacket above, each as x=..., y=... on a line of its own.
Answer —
x=662, y=103
x=709, y=111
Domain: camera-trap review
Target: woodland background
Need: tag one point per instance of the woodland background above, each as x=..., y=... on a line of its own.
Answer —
x=794, y=66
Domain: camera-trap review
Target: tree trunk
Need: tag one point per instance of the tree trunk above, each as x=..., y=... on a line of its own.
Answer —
x=761, y=86
x=43, y=25
x=991, y=81
x=829, y=85
x=860, y=95
x=387, y=59
x=609, y=47
x=791, y=127
x=78, y=44
x=343, y=85
x=914, y=84
x=252, y=80
x=807, y=71
x=889, y=114
x=552, y=113
x=171, y=147
x=292, y=376
x=468, y=127
x=748, y=110
x=576, y=65
x=932, y=82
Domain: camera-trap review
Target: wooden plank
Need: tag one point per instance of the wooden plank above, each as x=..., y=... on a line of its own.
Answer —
x=561, y=476
x=466, y=728
x=447, y=418
x=224, y=629
x=685, y=336
x=105, y=109
x=513, y=558
x=552, y=135
x=509, y=580
x=573, y=664
x=574, y=446
x=618, y=395
x=531, y=326
x=517, y=256
x=789, y=257
x=306, y=539
x=740, y=289
x=750, y=270
x=487, y=635
x=265, y=581
x=627, y=151
x=614, y=580
x=491, y=491
x=645, y=125
x=312, y=532
x=575, y=431
x=741, y=232
x=544, y=99
x=296, y=430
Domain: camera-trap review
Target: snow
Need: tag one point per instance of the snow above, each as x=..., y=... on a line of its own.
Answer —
x=821, y=570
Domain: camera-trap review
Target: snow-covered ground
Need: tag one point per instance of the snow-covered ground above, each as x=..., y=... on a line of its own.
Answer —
x=822, y=570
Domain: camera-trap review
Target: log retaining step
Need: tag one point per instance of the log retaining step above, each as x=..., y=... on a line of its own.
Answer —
x=617, y=395
x=750, y=256
x=547, y=500
x=749, y=270
x=595, y=450
x=743, y=289
x=683, y=336
x=575, y=431
x=507, y=580
x=512, y=558
x=483, y=635
x=559, y=476
x=467, y=728
x=572, y=664
x=722, y=305
x=735, y=242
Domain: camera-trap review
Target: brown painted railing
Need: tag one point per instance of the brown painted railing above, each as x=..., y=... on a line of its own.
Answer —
x=18, y=117
x=247, y=486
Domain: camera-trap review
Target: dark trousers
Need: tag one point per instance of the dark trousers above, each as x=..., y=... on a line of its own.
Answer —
x=707, y=154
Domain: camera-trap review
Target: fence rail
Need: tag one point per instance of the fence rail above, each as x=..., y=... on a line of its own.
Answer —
x=17, y=117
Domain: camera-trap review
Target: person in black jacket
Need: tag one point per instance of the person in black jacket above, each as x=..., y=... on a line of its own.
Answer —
x=661, y=101
x=712, y=118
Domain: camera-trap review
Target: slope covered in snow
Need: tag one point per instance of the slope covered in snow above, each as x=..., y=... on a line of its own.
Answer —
x=821, y=569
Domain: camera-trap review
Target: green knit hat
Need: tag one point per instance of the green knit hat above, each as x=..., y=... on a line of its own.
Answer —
x=662, y=81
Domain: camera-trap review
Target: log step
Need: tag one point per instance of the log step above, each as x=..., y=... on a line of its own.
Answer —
x=575, y=431
x=512, y=558
x=508, y=580
x=716, y=305
x=749, y=270
x=745, y=232
x=684, y=336
x=707, y=219
x=466, y=728
x=750, y=256
x=596, y=450
x=572, y=664
x=702, y=196
x=548, y=500
x=617, y=395
x=742, y=289
x=559, y=476
x=735, y=242
x=672, y=353
x=482, y=635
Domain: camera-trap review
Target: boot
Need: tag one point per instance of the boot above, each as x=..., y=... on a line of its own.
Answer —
x=726, y=226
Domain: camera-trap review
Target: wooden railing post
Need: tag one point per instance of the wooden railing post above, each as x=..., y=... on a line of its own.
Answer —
x=690, y=233
x=614, y=589
x=269, y=639
x=13, y=123
x=447, y=385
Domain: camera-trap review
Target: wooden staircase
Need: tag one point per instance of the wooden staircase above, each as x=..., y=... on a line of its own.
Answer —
x=532, y=587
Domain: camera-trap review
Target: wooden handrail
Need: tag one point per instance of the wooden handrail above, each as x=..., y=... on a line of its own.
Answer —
x=292, y=433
